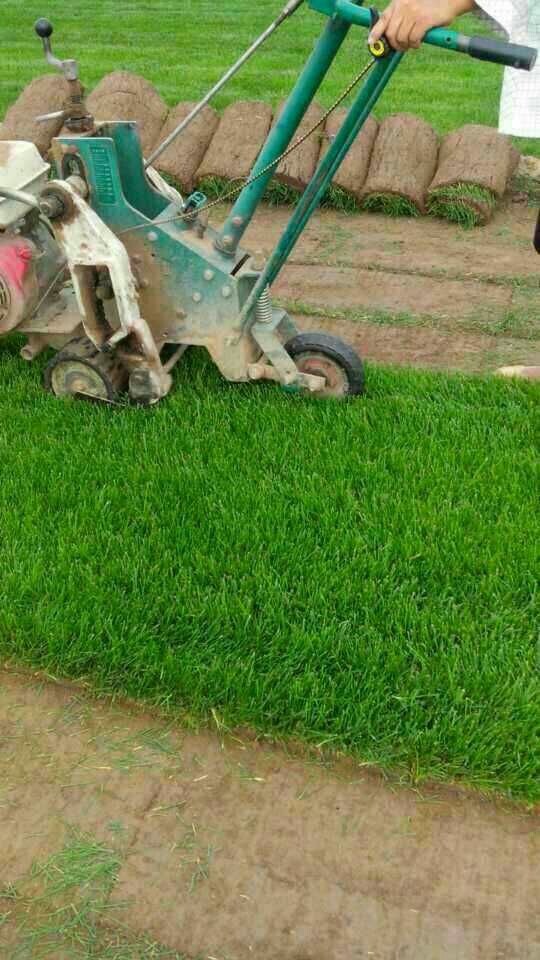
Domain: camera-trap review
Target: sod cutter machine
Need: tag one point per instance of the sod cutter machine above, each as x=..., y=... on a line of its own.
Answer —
x=111, y=267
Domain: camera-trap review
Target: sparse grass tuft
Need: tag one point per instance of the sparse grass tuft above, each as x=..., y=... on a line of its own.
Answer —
x=216, y=187
x=339, y=199
x=280, y=194
x=59, y=907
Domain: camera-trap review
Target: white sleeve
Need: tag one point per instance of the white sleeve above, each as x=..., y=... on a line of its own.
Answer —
x=520, y=100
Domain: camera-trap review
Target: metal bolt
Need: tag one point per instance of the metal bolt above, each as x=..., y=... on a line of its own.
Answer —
x=237, y=221
x=209, y=274
x=51, y=207
x=197, y=297
x=227, y=240
x=152, y=236
x=226, y=292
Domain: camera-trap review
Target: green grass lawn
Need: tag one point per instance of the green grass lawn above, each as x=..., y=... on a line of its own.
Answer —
x=360, y=575
x=184, y=48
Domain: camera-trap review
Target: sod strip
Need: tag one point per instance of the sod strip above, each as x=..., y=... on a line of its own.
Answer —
x=463, y=203
x=44, y=95
x=297, y=169
x=361, y=575
x=350, y=177
x=475, y=166
x=184, y=156
x=402, y=165
x=126, y=96
x=237, y=142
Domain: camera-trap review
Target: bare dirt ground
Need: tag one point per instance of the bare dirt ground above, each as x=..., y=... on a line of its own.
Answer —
x=220, y=847
x=415, y=291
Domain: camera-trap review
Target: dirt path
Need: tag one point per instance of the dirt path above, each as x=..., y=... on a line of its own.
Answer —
x=218, y=847
x=415, y=291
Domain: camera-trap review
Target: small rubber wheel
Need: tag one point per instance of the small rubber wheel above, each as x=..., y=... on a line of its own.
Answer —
x=80, y=369
x=325, y=356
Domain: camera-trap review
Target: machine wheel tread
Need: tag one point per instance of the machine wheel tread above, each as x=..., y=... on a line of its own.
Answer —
x=334, y=349
x=82, y=352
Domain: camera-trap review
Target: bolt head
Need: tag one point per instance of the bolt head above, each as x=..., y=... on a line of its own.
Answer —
x=209, y=274
x=237, y=221
x=226, y=292
x=152, y=236
x=197, y=297
x=227, y=240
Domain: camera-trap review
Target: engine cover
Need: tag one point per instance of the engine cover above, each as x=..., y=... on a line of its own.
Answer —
x=21, y=168
x=19, y=289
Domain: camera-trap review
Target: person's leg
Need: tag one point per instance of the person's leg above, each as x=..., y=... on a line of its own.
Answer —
x=527, y=373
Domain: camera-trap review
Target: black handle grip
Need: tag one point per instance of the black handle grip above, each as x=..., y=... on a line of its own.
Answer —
x=43, y=28
x=496, y=51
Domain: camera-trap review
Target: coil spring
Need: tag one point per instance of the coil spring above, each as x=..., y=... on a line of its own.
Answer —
x=263, y=310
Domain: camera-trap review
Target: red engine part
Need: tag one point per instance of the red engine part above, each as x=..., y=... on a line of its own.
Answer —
x=18, y=283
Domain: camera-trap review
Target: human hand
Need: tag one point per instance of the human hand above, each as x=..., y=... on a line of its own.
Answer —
x=405, y=22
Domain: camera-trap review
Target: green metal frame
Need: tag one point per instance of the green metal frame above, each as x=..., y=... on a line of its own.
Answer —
x=342, y=14
x=123, y=197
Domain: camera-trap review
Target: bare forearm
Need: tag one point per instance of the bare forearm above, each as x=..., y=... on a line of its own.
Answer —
x=460, y=7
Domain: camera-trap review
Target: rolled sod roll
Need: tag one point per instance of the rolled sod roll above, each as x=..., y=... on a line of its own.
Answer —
x=296, y=170
x=237, y=142
x=45, y=94
x=126, y=96
x=351, y=175
x=475, y=165
x=183, y=157
x=403, y=163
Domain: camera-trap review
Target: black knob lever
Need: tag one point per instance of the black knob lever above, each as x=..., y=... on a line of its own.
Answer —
x=43, y=28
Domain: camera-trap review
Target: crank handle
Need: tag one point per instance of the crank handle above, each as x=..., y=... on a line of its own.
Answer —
x=69, y=68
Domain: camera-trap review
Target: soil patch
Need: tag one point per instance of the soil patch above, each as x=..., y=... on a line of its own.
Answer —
x=426, y=347
x=226, y=847
x=341, y=288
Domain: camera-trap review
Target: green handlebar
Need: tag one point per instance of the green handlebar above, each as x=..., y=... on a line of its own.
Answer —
x=482, y=48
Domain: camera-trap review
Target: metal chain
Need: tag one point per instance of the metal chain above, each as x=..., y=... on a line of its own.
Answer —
x=228, y=195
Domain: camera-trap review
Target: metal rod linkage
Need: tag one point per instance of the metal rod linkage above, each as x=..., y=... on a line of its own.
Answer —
x=310, y=199
x=6, y=193
x=290, y=8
